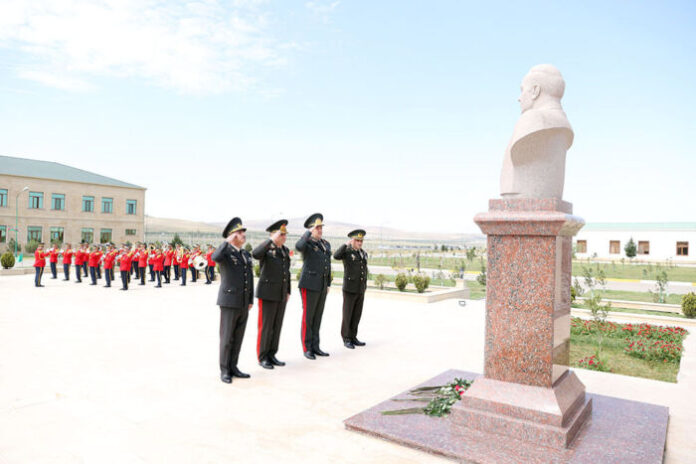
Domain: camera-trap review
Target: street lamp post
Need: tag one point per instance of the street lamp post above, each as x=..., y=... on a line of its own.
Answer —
x=17, y=217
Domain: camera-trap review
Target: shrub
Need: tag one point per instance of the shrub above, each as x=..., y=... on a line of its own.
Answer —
x=689, y=305
x=380, y=280
x=421, y=282
x=631, y=249
x=7, y=260
x=11, y=246
x=176, y=241
x=401, y=281
x=573, y=294
x=481, y=278
x=257, y=270
x=31, y=246
x=248, y=247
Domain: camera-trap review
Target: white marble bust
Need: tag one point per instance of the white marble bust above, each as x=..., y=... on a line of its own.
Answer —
x=534, y=163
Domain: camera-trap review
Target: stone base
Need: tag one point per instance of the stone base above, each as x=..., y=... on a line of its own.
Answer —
x=545, y=416
x=618, y=431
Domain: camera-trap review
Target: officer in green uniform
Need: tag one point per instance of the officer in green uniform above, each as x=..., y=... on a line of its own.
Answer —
x=314, y=283
x=272, y=291
x=235, y=298
x=354, y=283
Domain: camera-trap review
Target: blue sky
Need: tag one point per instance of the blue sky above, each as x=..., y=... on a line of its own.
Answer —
x=378, y=113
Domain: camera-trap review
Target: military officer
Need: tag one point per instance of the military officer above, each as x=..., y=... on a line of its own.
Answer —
x=235, y=297
x=354, y=283
x=39, y=264
x=314, y=282
x=273, y=292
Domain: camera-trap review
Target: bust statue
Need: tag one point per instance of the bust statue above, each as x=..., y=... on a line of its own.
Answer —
x=534, y=163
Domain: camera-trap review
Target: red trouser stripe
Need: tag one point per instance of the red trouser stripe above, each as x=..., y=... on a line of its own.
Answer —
x=258, y=339
x=304, y=317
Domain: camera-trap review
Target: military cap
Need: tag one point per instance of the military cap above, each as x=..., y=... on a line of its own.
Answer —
x=278, y=225
x=315, y=219
x=357, y=234
x=234, y=225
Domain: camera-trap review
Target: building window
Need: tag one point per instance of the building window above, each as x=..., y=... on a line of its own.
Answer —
x=643, y=248
x=34, y=233
x=581, y=246
x=35, y=200
x=105, y=236
x=58, y=201
x=56, y=234
x=3, y=234
x=87, y=235
x=107, y=205
x=131, y=206
x=3, y=198
x=130, y=231
x=88, y=204
x=614, y=247
x=682, y=248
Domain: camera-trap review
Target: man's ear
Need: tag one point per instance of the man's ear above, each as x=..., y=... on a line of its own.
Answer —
x=536, y=91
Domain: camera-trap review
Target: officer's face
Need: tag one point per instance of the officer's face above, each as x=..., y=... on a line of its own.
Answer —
x=281, y=238
x=238, y=238
x=317, y=231
x=357, y=243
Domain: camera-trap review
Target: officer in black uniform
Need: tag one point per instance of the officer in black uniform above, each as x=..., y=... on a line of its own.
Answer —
x=272, y=291
x=354, y=283
x=314, y=282
x=235, y=297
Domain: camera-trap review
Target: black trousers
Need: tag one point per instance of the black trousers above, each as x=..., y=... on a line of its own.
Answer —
x=312, y=312
x=137, y=272
x=176, y=272
x=142, y=275
x=152, y=272
x=271, y=314
x=108, y=276
x=125, y=278
x=93, y=274
x=352, y=311
x=233, y=323
x=194, y=274
x=66, y=271
x=78, y=272
x=84, y=268
x=209, y=274
x=37, y=277
x=183, y=275
x=167, y=273
x=98, y=268
x=159, y=278
x=54, y=271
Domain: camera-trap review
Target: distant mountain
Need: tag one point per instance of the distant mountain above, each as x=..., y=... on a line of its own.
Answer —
x=296, y=227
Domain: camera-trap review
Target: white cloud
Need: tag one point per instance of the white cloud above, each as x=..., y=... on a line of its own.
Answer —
x=199, y=47
x=322, y=9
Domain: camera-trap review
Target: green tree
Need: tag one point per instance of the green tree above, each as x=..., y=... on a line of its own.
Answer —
x=177, y=240
x=631, y=249
x=401, y=281
x=595, y=280
x=471, y=253
x=661, y=281
x=380, y=279
x=248, y=247
x=482, y=277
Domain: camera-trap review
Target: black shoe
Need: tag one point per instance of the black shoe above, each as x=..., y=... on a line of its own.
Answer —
x=208, y=283
x=309, y=355
x=357, y=342
x=123, y=289
x=349, y=344
x=141, y=284
x=38, y=285
x=237, y=373
x=275, y=361
x=226, y=377
x=158, y=286
x=318, y=352
x=65, y=280
x=54, y=277
x=266, y=364
x=107, y=286
x=93, y=284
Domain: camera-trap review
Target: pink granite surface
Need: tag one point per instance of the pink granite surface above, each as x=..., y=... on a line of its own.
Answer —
x=619, y=431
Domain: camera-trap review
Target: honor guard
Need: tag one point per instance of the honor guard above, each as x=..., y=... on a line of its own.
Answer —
x=272, y=291
x=354, y=284
x=168, y=257
x=39, y=264
x=85, y=257
x=175, y=260
x=67, y=260
x=151, y=263
x=209, y=265
x=79, y=259
x=53, y=260
x=235, y=297
x=124, y=265
x=109, y=258
x=142, y=263
x=183, y=264
x=314, y=282
x=194, y=254
x=158, y=264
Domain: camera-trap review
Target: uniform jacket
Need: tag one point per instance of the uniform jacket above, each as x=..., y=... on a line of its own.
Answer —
x=52, y=255
x=124, y=261
x=158, y=262
x=354, y=268
x=168, y=257
x=316, y=267
x=109, y=258
x=94, y=258
x=67, y=257
x=79, y=257
x=274, y=280
x=142, y=258
x=40, y=258
x=237, y=277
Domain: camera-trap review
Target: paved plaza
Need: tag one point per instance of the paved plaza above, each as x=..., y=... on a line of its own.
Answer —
x=94, y=375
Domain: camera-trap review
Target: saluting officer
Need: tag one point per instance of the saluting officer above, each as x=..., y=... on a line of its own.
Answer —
x=273, y=292
x=354, y=284
x=235, y=297
x=314, y=282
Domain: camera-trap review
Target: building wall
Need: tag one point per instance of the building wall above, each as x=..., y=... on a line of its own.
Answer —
x=663, y=244
x=72, y=218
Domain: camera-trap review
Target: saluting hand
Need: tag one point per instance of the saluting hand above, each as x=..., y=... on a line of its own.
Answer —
x=275, y=236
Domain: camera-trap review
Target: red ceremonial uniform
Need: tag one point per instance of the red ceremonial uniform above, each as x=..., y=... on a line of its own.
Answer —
x=158, y=262
x=67, y=256
x=168, y=255
x=79, y=257
x=109, y=259
x=209, y=259
x=124, y=261
x=52, y=255
x=40, y=258
x=93, y=260
x=184, y=261
x=142, y=258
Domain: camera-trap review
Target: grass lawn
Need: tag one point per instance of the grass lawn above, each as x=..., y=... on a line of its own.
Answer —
x=478, y=291
x=618, y=361
x=637, y=296
x=635, y=311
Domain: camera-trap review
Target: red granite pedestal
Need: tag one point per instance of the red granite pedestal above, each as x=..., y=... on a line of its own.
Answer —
x=527, y=391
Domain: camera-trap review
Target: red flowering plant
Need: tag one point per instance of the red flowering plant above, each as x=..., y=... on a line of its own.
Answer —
x=593, y=363
x=440, y=399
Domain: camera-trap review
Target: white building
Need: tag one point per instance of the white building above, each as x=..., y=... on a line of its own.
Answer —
x=655, y=241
